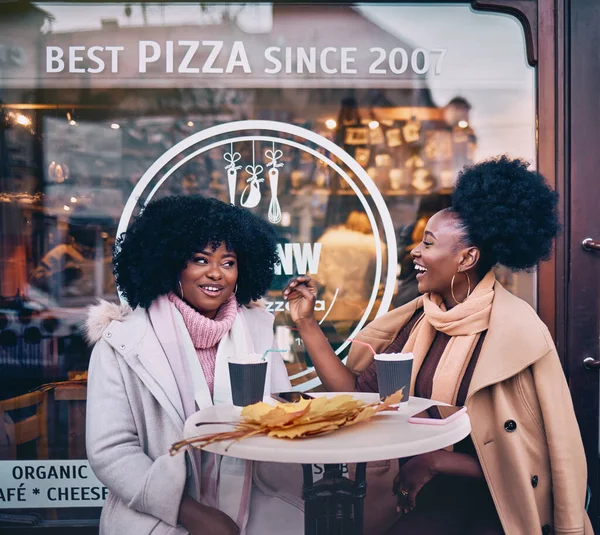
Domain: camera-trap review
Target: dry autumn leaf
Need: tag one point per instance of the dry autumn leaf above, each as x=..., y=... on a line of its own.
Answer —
x=303, y=419
x=394, y=399
x=253, y=413
x=307, y=429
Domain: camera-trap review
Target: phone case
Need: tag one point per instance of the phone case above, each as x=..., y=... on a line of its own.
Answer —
x=431, y=421
x=279, y=396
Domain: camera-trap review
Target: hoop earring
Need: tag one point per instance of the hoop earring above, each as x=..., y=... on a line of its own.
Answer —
x=235, y=289
x=180, y=289
x=468, y=288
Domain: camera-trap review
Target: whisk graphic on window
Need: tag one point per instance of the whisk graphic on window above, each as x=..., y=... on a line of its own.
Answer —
x=232, y=169
x=274, y=208
x=251, y=199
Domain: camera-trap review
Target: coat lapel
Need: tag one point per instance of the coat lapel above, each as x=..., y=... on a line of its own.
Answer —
x=146, y=357
x=160, y=381
x=512, y=342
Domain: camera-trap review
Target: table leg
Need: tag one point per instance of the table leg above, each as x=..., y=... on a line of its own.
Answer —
x=360, y=486
x=334, y=504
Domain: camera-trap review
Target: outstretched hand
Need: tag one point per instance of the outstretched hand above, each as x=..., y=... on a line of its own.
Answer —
x=301, y=293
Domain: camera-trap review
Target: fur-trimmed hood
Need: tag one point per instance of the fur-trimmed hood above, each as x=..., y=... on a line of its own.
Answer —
x=99, y=317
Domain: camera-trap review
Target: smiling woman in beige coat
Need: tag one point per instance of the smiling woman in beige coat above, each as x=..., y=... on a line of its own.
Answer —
x=522, y=471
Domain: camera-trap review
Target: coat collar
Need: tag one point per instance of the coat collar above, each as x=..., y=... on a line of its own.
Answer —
x=516, y=338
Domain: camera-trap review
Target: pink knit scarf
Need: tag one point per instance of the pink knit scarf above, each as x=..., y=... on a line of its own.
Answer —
x=206, y=333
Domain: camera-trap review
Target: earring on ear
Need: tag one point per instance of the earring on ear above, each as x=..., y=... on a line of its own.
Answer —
x=468, y=287
x=235, y=289
x=180, y=289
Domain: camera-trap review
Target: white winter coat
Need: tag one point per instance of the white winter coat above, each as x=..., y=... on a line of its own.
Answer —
x=134, y=415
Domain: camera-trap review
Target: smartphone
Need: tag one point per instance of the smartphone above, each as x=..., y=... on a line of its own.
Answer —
x=437, y=415
x=290, y=397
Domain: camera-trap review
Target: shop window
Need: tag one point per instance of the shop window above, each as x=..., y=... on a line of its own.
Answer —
x=360, y=118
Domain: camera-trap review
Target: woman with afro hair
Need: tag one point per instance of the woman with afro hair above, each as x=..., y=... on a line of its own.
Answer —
x=191, y=268
x=522, y=470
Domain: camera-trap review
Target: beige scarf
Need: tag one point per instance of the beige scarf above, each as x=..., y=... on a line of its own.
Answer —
x=464, y=323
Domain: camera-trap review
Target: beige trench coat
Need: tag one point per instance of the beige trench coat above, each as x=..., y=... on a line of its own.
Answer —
x=523, y=424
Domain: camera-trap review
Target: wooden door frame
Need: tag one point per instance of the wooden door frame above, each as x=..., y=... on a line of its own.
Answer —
x=582, y=165
x=567, y=132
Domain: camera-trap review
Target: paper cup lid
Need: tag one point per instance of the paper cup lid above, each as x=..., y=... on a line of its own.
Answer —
x=251, y=358
x=394, y=357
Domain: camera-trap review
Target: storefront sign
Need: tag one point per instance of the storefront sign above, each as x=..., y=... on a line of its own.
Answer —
x=53, y=484
x=33, y=484
x=218, y=57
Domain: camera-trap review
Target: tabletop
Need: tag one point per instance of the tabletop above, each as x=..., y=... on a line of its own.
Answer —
x=388, y=435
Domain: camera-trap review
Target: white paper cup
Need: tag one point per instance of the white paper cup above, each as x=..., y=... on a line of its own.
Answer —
x=394, y=371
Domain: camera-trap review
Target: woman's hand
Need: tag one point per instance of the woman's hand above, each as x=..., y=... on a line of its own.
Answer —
x=301, y=293
x=418, y=471
x=200, y=519
x=412, y=477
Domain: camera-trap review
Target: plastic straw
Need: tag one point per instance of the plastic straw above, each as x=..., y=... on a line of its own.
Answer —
x=363, y=344
x=264, y=357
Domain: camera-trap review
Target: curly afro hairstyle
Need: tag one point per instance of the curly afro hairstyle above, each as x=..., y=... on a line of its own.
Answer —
x=508, y=211
x=164, y=237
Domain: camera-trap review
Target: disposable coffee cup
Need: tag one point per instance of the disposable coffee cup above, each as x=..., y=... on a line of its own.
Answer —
x=247, y=376
x=393, y=373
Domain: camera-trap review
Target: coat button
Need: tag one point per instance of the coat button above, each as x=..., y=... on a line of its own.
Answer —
x=121, y=347
x=546, y=529
x=534, y=481
x=510, y=425
x=108, y=335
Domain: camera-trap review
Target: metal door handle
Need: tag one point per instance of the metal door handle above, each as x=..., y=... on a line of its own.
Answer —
x=591, y=364
x=590, y=245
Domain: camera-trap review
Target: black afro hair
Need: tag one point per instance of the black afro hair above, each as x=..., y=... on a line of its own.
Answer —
x=164, y=237
x=509, y=211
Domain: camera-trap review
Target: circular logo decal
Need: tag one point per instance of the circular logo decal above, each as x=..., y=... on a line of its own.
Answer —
x=253, y=157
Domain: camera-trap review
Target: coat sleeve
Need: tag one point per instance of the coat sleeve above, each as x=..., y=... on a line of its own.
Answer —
x=567, y=456
x=380, y=333
x=154, y=487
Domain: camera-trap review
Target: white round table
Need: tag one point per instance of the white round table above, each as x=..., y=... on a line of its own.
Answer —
x=388, y=435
